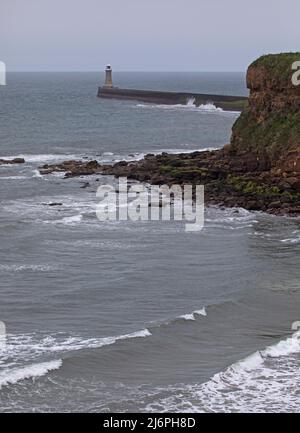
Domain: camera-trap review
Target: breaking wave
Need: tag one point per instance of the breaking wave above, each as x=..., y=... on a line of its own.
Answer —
x=29, y=372
x=266, y=381
x=189, y=106
x=194, y=314
x=38, y=158
x=27, y=348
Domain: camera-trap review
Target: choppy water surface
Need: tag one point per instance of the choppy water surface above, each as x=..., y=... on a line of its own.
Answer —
x=135, y=316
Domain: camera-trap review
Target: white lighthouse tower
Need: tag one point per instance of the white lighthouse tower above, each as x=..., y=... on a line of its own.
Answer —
x=108, y=77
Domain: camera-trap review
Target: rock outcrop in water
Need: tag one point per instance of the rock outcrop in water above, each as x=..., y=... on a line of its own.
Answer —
x=12, y=161
x=72, y=168
x=258, y=170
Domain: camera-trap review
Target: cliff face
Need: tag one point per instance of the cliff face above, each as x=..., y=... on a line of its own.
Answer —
x=269, y=128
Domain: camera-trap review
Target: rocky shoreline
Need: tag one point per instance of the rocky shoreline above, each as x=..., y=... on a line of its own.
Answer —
x=228, y=180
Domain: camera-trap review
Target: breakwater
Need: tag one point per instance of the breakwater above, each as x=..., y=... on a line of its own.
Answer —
x=229, y=103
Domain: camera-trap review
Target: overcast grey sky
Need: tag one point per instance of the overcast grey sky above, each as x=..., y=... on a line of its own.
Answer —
x=150, y=35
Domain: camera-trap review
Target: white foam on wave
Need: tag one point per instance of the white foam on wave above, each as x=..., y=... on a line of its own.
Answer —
x=72, y=219
x=68, y=221
x=21, y=268
x=77, y=343
x=74, y=209
x=209, y=107
x=13, y=177
x=171, y=151
x=250, y=363
x=37, y=158
x=137, y=156
x=28, y=346
x=36, y=173
x=20, y=349
x=284, y=347
x=293, y=240
x=265, y=381
x=229, y=218
x=187, y=316
x=279, y=233
x=201, y=312
x=192, y=316
x=191, y=102
x=190, y=106
x=110, y=157
x=33, y=371
x=178, y=151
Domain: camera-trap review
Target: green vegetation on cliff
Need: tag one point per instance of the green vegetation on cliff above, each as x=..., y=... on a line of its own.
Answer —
x=279, y=66
x=269, y=127
x=276, y=134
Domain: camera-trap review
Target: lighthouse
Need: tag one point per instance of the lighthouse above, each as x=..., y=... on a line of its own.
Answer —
x=108, y=77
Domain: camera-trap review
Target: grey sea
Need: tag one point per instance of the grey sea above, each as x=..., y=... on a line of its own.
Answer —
x=135, y=316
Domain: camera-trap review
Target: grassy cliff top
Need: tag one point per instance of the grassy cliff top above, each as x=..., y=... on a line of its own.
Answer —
x=277, y=62
x=276, y=67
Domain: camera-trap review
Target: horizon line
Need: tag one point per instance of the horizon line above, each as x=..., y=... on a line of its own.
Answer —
x=122, y=71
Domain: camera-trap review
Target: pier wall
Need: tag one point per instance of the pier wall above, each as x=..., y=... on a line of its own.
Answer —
x=231, y=103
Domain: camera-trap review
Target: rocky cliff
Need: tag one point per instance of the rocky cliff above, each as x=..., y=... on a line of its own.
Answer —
x=269, y=128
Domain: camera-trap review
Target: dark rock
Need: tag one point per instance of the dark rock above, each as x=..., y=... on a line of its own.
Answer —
x=93, y=165
x=85, y=185
x=253, y=205
x=18, y=161
x=52, y=204
x=12, y=161
x=275, y=205
x=284, y=185
x=294, y=182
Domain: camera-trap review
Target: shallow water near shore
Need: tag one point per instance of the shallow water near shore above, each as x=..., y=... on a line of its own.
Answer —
x=135, y=316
